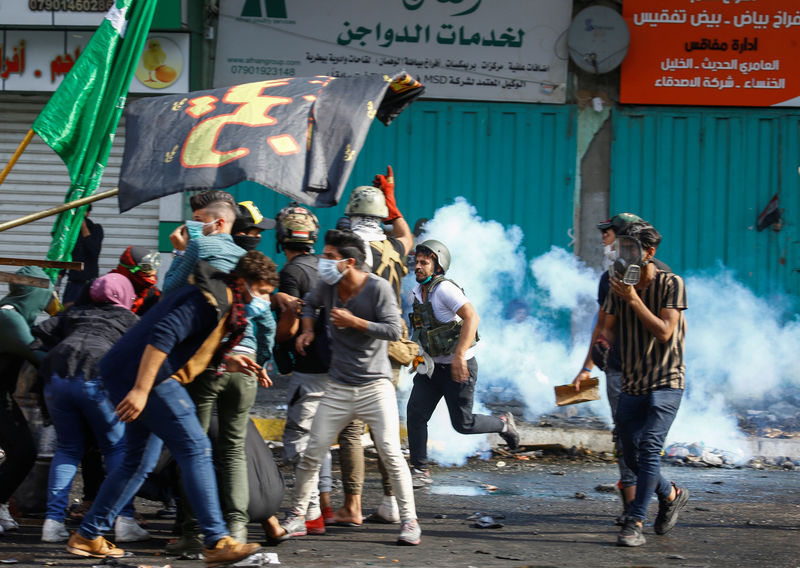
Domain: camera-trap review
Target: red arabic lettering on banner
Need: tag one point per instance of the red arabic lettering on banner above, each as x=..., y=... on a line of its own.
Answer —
x=712, y=52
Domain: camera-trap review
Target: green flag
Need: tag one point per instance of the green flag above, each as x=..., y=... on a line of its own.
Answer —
x=81, y=117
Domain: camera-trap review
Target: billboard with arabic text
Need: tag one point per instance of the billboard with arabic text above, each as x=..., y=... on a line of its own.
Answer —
x=459, y=49
x=712, y=52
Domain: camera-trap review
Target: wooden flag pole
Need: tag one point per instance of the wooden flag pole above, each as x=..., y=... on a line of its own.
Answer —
x=20, y=149
x=56, y=210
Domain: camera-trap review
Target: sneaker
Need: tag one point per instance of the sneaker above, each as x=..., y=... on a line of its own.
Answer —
x=511, y=436
x=294, y=524
x=95, y=548
x=54, y=531
x=668, y=511
x=315, y=526
x=128, y=530
x=631, y=534
x=189, y=547
x=229, y=550
x=6, y=520
x=388, y=511
x=420, y=478
x=410, y=533
x=327, y=514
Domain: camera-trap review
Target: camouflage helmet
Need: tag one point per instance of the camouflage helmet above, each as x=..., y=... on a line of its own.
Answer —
x=367, y=201
x=295, y=224
x=439, y=251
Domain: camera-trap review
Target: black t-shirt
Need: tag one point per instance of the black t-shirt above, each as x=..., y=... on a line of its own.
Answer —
x=297, y=278
x=87, y=251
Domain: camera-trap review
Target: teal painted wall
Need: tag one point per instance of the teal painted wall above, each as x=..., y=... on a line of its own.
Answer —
x=702, y=176
x=514, y=162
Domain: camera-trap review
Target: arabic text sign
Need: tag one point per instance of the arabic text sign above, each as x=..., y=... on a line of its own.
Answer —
x=459, y=49
x=713, y=52
x=38, y=60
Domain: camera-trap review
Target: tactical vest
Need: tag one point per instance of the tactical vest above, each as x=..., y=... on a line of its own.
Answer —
x=436, y=338
x=389, y=265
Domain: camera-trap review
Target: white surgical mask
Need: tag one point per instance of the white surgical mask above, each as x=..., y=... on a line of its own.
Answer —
x=257, y=306
x=329, y=271
x=609, y=255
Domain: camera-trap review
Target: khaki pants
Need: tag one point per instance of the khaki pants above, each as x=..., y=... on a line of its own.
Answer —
x=376, y=404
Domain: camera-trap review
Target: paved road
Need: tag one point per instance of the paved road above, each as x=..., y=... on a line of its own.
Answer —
x=735, y=518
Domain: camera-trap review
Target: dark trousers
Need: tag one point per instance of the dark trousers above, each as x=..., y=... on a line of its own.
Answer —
x=459, y=397
x=643, y=422
x=18, y=445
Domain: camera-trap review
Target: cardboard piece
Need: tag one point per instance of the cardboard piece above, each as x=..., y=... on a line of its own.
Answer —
x=566, y=394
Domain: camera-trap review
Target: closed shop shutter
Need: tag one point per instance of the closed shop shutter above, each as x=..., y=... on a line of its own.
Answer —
x=40, y=180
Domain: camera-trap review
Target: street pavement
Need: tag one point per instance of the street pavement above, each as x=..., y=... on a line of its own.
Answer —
x=552, y=515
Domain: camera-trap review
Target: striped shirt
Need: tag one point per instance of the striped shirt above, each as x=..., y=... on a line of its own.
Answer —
x=648, y=365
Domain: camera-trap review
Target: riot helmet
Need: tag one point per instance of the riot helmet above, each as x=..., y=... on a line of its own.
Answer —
x=296, y=225
x=367, y=201
x=439, y=251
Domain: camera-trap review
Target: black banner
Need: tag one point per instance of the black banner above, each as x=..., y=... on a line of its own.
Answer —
x=299, y=136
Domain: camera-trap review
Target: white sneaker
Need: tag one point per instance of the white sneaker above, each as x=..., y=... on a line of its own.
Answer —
x=6, y=520
x=410, y=533
x=54, y=531
x=128, y=530
x=388, y=510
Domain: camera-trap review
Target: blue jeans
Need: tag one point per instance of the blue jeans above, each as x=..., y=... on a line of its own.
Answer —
x=613, y=390
x=169, y=416
x=74, y=405
x=643, y=422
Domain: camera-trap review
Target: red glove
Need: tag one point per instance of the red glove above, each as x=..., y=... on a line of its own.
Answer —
x=386, y=185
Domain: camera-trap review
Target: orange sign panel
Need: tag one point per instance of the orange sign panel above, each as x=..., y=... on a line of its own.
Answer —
x=712, y=52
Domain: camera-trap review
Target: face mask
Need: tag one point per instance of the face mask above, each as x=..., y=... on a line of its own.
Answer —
x=630, y=260
x=195, y=228
x=247, y=242
x=609, y=255
x=328, y=271
x=257, y=306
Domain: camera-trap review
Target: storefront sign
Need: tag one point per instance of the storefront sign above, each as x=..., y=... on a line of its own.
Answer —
x=42, y=13
x=459, y=49
x=713, y=52
x=38, y=60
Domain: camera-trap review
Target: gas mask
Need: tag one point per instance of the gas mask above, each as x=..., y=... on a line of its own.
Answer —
x=630, y=260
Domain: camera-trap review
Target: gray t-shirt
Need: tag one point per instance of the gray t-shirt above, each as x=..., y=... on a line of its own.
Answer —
x=359, y=357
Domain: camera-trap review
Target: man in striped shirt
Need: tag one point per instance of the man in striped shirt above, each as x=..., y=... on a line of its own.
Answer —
x=647, y=317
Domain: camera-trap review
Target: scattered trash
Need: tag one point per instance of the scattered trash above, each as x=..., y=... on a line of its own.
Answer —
x=606, y=488
x=259, y=559
x=580, y=495
x=439, y=516
x=501, y=464
x=696, y=454
x=489, y=487
x=487, y=522
x=559, y=473
x=675, y=557
x=514, y=558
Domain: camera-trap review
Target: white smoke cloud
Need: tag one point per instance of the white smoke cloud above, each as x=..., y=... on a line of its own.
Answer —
x=738, y=349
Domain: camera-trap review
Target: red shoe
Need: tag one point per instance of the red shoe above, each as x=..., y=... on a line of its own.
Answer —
x=316, y=526
x=327, y=515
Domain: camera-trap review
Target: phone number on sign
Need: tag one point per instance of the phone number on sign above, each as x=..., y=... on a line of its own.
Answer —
x=70, y=5
x=262, y=70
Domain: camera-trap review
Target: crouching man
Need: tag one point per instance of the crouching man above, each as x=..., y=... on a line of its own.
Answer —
x=192, y=328
x=364, y=316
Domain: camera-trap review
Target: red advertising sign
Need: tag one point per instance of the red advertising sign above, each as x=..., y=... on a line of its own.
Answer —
x=712, y=52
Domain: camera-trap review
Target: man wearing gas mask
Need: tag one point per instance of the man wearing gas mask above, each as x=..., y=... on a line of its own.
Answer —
x=645, y=312
x=611, y=228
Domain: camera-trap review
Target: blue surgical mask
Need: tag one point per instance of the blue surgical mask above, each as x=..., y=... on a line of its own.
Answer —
x=257, y=306
x=329, y=271
x=195, y=228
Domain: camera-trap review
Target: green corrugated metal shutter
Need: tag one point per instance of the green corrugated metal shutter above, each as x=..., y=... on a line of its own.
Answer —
x=514, y=162
x=702, y=176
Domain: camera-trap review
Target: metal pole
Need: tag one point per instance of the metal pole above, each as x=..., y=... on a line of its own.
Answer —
x=43, y=263
x=56, y=210
x=20, y=149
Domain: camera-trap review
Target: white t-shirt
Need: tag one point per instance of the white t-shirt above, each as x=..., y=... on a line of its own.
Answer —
x=447, y=299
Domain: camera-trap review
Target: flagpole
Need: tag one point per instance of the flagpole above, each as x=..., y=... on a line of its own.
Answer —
x=56, y=210
x=17, y=154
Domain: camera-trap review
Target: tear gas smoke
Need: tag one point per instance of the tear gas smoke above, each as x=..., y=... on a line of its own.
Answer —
x=738, y=348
